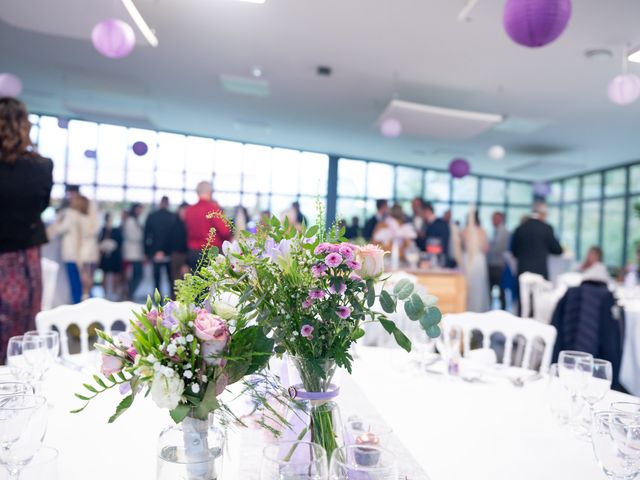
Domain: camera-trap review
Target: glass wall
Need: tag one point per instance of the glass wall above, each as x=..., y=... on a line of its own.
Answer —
x=598, y=209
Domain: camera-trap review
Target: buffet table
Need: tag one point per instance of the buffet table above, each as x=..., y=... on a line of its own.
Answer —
x=448, y=428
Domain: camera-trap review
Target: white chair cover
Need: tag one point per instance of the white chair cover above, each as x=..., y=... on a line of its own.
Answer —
x=49, y=280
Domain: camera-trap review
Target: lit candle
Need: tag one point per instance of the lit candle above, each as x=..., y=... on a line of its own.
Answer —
x=364, y=454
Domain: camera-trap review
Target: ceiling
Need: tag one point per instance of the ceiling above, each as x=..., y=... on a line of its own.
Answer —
x=559, y=120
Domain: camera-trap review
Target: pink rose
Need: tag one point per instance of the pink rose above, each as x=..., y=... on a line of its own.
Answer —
x=110, y=364
x=214, y=334
x=371, y=258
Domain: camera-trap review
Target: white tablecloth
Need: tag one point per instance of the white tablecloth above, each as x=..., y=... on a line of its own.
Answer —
x=453, y=430
x=630, y=368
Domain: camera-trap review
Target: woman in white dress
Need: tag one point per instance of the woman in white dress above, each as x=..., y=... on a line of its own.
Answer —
x=475, y=247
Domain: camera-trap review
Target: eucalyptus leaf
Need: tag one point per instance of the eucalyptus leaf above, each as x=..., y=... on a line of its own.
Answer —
x=371, y=293
x=403, y=289
x=433, y=331
x=431, y=317
x=402, y=340
x=414, y=307
x=387, y=303
x=388, y=325
x=429, y=300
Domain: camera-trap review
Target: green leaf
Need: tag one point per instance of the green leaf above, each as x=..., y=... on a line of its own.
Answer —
x=180, y=412
x=122, y=407
x=403, y=289
x=402, y=340
x=431, y=317
x=82, y=397
x=387, y=303
x=371, y=293
x=208, y=404
x=357, y=334
x=99, y=381
x=414, y=307
x=388, y=325
x=311, y=231
x=429, y=300
x=433, y=331
x=280, y=349
x=90, y=388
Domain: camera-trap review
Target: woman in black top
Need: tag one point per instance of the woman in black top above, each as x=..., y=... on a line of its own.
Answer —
x=25, y=188
x=111, y=258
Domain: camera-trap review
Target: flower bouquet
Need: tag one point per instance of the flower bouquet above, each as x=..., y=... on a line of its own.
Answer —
x=313, y=292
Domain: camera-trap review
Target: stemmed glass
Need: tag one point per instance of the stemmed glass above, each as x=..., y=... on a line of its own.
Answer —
x=15, y=388
x=26, y=357
x=598, y=385
x=23, y=424
x=632, y=408
x=363, y=461
x=558, y=396
x=51, y=340
x=294, y=461
x=616, y=444
x=575, y=370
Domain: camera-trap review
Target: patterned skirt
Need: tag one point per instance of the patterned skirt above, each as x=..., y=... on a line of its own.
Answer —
x=20, y=294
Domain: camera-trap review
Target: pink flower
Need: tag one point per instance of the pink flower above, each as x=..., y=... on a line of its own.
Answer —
x=316, y=294
x=306, y=331
x=337, y=288
x=371, y=257
x=214, y=333
x=355, y=277
x=110, y=364
x=343, y=312
x=354, y=264
x=307, y=303
x=347, y=250
x=322, y=248
x=153, y=316
x=319, y=270
x=333, y=259
x=132, y=352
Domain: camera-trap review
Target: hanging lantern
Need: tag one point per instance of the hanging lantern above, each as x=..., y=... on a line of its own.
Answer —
x=624, y=89
x=90, y=153
x=63, y=123
x=541, y=189
x=459, y=168
x=390, y=128
x=497, y=152
x=113, y=38
x=536, y=23
x=10, y=85
x=140, y=148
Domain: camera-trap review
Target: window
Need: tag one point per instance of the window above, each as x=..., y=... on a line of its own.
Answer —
x=408, y=183
x=52, y=143
x=556, y=193
x=465, y=189
x=590, y=226
x=612, y=227
x=493, y=191
x=615, y=182
x=81, y=161
x=520, y=192
x=199, y=161
x=569, y=237
x=571, y=188
x=436, y=186
x=380, y=181
x=515, y=215
x=111, y=155
x=140, y=169
x=633, y=227
x=591, y=186
x=170, y=161
x=634, y=179
x=286, y=168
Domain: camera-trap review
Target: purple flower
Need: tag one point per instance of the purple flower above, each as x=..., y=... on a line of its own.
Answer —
x=306, y=331
x=347, y=250
x=307, y=303
x=169, y=315
x=353, y=264
x=337, y=288
x=333, y=259
x=319, y=270
x=316, y=294
x=124, y=388
x=355, y=277
x=343, y=312
x=322, y=248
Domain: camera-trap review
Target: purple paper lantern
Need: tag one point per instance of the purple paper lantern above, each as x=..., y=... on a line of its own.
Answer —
x=391, y=128
x=90, y=153
x=10, y=85
x=113, y=38
x=63, y=123
x=459, y=168
x=536, y=23
x=624, y=89
x=140, y=148
x=541, y=189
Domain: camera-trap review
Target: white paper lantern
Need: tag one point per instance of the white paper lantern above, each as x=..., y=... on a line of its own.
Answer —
x=390, y=128
x=497, y=152
x=624, y=89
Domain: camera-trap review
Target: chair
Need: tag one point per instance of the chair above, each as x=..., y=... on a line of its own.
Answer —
x=49, y=279
x=527, y=282
x=544, y=299
x=512, y=327
x=83, y=315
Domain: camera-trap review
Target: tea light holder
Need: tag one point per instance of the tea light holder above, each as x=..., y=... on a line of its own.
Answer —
x=364, y=454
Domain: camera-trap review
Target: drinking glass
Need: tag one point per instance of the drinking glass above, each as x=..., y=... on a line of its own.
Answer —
x=15, y=388
x=19, y=366
x=632, y=408
x=449, y=344
x=576, y=370
x=598, y=385
x=613, y=464
x=23, y=423
x=294, y=461
x=360, y=429
x=363, y=461
x=51, y=340
x=625, y=432
x=558, y=396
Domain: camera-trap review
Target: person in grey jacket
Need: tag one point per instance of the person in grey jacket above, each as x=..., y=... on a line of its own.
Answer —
x=498, y=245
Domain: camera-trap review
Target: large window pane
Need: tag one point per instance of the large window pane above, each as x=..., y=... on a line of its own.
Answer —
x=228, y=166
x=286, y=171
x=571, y=188
x=347, y=208
x=520, y=192
x=556, y=193
x=52, y=143
x=111, y=155
x=408, y=182
x=314, y=169
x=615, y=182
x=591, y=185
x=436, y=185
x=257, y=169
x=633, y=242
x=140, y=169
x=493, y=191
x=170, y=160
x=83, y=137
x=554, y=218
x=634, y=179
x=569, y=237
x=199, y=161
x=613, y=225
x=309, y=208
x=465, y=189
x=351, y=178
x=515, y=215
x=590, y=227
x=380, y=181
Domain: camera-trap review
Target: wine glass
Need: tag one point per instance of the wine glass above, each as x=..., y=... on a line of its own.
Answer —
x=294, y=461
x=558, y=396
x=15, y=388
x=625, y=432
x=612, y=462
x=363, y=461
x=575, y=370
x=51, y=339
x=23, y=424
x=632, y=408
x=598, y=385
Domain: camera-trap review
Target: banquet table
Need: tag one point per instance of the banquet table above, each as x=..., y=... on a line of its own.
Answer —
x=630, y=367
x=444, y=428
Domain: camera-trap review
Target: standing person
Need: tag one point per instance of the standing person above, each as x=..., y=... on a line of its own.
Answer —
x=382, y=210
x=89, y=251
x=417, y=209
x=178, y=247
x=475, y=246
x=301, y=219
x=353, y=230
x=200, y=219
x=133, y=247
x=498, y=246
x=533, y=241
x=111, y=258
x=157, y=233
x=25, y=189
x=455, y=239
x=436, y=234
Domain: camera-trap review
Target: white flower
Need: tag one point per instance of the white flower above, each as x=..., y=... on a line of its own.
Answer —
x=150, y=358
x=171, y=349
x=167, y=390
x=191, y=324
x=189, y=338
x=195, y=388
x=225, y=310
x=188, y=374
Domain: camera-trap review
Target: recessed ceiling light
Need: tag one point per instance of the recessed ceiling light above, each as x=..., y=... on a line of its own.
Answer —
x=252, y=1
x=256, y=72
x=634, y=56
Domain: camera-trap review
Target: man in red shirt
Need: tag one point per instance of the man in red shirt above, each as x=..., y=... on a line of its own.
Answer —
x=200, y=219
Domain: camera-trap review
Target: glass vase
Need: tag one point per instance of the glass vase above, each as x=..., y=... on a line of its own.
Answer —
x=190, y=450
x=316, y=415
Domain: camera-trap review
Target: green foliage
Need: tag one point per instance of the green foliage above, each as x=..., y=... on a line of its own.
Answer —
x=403, y=289
x=122, y=407
x=414, y=307
x=387, y=303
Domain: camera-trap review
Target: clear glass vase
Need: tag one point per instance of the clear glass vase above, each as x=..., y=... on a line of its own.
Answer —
x=316, y=415
x=190, y=450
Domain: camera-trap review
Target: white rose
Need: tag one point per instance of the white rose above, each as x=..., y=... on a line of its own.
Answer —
x=371, y=258
x=167, y=391
x=225, y=310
